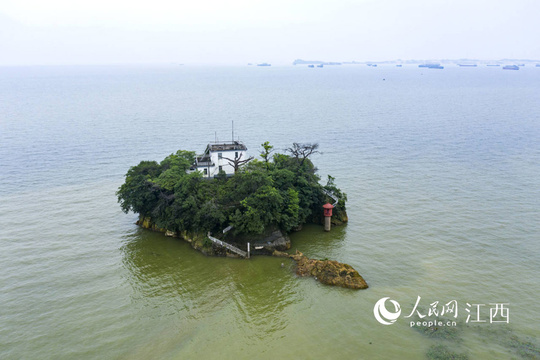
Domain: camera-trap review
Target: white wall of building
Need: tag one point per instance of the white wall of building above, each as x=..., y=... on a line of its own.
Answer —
x=218, y=161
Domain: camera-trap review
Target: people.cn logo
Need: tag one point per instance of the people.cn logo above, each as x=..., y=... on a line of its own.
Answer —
x=384, y=316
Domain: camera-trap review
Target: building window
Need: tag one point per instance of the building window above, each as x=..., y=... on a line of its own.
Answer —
x=219, y=155
x=236, y=154
x=220, y=168
x=205, y=171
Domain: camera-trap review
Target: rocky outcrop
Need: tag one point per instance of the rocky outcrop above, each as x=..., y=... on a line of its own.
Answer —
x=340, y=218
x=264, y=244
x=197, y=241
x=328, y=272
x=146, y=223
x=271, y=242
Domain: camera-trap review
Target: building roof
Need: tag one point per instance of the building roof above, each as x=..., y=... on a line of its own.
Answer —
x=227, y=146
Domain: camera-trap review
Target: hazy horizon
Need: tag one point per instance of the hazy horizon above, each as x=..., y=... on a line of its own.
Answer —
x=210, y=32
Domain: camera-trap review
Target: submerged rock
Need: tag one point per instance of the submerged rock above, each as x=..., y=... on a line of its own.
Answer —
x=328, y=272
x=443, y=352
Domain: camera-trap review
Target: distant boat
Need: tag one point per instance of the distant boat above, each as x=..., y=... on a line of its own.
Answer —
x=399, y=65
x=511, y=67
x=264, y=64
x=537, y=65
x=493, y=65
x=311, y=65
x=467, y=65
x=320, y=65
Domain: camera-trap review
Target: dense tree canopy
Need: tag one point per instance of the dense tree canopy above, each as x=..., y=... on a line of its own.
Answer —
x=279, y=191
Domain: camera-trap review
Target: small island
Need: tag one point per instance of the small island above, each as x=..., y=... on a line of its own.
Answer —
x=227, y=204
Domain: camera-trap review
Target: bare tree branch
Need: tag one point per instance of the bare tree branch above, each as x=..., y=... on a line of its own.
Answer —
x=237, y=162
x=303, y=151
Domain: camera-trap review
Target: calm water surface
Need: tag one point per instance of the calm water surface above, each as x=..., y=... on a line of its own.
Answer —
x=441, y=168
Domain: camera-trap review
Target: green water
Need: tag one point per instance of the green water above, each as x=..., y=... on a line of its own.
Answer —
x=441, y=171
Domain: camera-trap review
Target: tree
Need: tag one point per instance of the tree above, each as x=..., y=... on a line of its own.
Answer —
x=139, y=193
x=237, y=161
x=280, y=193
x=303, y=151
x=340, y=195
x=265, y=153
x=258, y=211
x=174, y=167
x=181, y=158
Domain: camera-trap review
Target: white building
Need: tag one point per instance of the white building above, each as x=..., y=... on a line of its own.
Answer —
x=219, y=157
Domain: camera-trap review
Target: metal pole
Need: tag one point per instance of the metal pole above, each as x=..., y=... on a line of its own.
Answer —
x=248, y=250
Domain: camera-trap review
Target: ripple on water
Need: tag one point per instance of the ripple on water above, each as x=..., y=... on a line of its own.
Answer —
x=441, y=172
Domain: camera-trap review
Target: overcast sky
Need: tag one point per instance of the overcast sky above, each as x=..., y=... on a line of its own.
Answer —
x=276, y=31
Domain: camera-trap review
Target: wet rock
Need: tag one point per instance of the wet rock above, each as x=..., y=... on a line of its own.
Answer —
x=146, y=223
x=328, y=272
x=281, y=254
x=279, y=241
x=197, y=241
x=340, y=218
x=267, y=243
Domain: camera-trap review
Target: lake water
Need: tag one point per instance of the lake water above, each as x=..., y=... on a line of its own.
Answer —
x=441, y=168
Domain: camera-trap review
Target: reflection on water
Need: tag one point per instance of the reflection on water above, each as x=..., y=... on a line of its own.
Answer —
x=316, y=243
x=441, y=172
x=168, y=274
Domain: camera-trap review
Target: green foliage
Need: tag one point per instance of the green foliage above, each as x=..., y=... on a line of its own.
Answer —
x=280, y=191
x=174, y=167
x=138, y=193
x=342, y=197
x=206, y=243
x=258, y=210
x=290, y=217
x=182, y=159
x=265, y=153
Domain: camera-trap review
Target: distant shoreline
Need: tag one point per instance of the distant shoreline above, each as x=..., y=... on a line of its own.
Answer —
x=461, y=62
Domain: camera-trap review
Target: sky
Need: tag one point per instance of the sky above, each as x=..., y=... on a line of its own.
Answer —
x=229, y=32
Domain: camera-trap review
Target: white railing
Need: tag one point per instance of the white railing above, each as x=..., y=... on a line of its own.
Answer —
x=331, y=194
x=230, y=247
